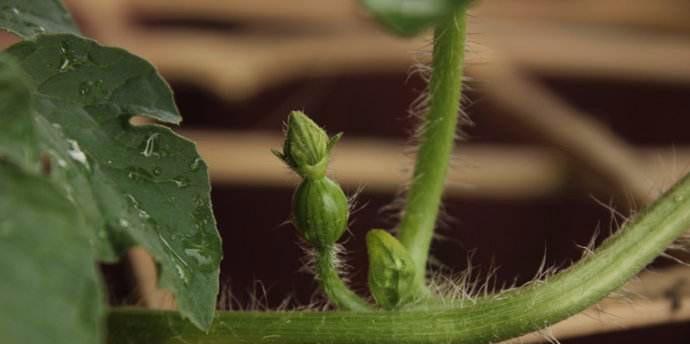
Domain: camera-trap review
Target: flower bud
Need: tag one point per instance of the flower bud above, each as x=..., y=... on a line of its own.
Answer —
x=391, y=270
x=307, y=146
x=320, y=211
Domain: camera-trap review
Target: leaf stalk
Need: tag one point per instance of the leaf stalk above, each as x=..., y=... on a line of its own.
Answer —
x=436, y=143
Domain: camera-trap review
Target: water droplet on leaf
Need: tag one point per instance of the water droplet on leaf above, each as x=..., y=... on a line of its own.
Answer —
x=70, y=59
x=196, y=164
x=76, y=153
x=139, y=211
x=138, y=174
x=198, y=256
x=181, y=181
x=150, y=146
x=176, y=257
x=182, y=274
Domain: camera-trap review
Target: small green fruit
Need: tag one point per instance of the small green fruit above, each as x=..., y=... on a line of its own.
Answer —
x=320, y=211
x=391, y=270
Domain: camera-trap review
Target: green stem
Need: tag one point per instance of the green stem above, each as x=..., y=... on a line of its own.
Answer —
x=334, y=287
x=436, y=143
x=485, y=320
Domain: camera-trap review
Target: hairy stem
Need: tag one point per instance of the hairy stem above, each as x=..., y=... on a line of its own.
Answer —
x=485, y=320
x=436, y=143
x=334, y=287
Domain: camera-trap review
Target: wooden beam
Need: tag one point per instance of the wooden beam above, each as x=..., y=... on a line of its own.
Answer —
x=582, y=137
x=660, y=14
x=619, y=317
x=236, y=66
x=382, y=166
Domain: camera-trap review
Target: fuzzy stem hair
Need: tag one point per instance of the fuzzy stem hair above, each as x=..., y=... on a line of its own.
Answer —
x=489, y=319
x=437, y=138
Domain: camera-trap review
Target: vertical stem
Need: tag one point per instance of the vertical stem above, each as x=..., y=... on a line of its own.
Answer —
x=334, y=287
x=436, y=143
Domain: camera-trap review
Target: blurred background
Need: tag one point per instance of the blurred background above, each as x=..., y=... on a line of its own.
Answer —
x=580, y=110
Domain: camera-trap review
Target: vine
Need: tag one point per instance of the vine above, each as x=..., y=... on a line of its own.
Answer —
x=485, y=319
x=79, y=185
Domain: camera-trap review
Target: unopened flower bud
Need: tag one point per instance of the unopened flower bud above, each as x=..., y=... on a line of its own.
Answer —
x=320, y=211
x=307, y=146
x=391, y=270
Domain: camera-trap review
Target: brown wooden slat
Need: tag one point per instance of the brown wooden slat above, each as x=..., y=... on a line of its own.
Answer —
x=382, y=166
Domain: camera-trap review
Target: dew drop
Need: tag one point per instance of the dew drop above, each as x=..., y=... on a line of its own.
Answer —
x=76, y=153
x=85, y=87
x=197, y=255
x=138, y=174
x=10, y=14
x=157, y=171
x=182, y=274
x=70, y=59
x=196, y=164
x=33, y=27
x=65, y=60
x=143, y=214
x=64, y=64
x=181, y=182
x=139, y=211
x=150, y=146
x=176, y=257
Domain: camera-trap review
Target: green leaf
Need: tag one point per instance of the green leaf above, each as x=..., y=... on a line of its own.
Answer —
x=410, y=17
x=18, y=135
x=50, y=291
x=28, y=18
x=133, y=185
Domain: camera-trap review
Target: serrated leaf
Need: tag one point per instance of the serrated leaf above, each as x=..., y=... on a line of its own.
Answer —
x=133, y=185
x=50, y=291
x=28, y=18
x=410, y=17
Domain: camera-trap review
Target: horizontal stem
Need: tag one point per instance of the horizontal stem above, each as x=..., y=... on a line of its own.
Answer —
x=484, y=320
